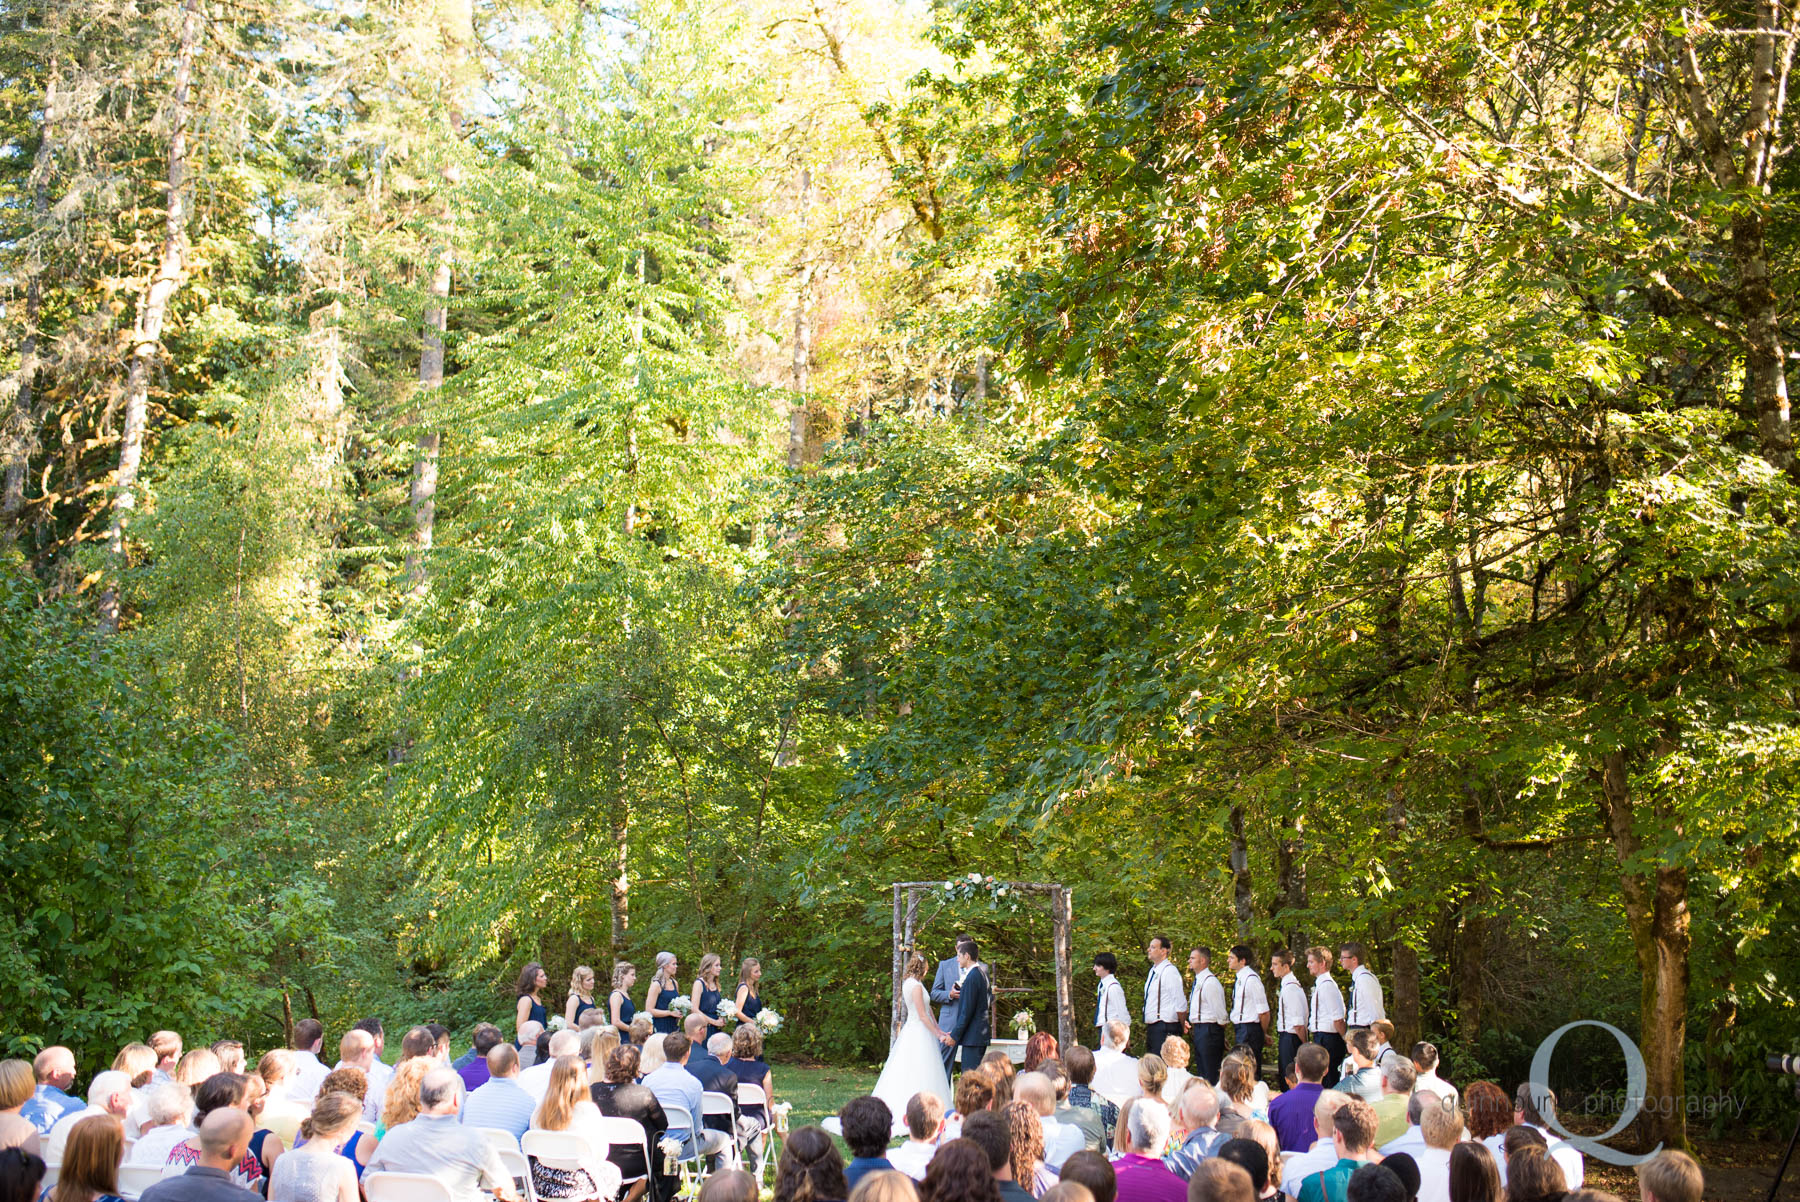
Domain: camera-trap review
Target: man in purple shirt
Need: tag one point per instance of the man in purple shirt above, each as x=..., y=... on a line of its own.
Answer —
x=1291, y=1113
x=473, y=1069
x=1142, y=1175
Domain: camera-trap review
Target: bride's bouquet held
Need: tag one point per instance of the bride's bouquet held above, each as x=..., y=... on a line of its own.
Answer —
x=727, y=1011
x=768, y=1020
x=682, y=1006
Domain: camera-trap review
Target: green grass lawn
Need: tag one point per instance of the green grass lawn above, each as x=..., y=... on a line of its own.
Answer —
x=819, y=1090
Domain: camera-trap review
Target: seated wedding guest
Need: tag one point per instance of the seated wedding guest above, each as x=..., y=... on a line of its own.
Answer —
x=109, y=1093
x=1084, y=1119
x=887, y=1186
x=867, y=1124
x=1670, y=1176
x=21, y=1174
x=567, y=1106
x=924, y=1128
x=1039, y=1048
x=1412, y=1139
x=651, y=1055
x=1291, y=1114
x=1297, y=1166
x=90, y=1160
x=527, y=1045
x=1441, y=1127
x=709, y=1069
x=1080, y=1064
x=1174, y=1056
x=1488, y=1112
x=380, y=1073
x=1474, y=1174
x=437, y=1144
x=316, y=1171
x=1199, y=1114
x=698, y=1030
x=810, y=1169
x=474, y=1072
x=1026, y=1158
x=679, y=1090
x=1397, y=1076
x=597, y=1043
x=224, y=1143
x=620, y=1096
x=1360, y=1076
x=1532, y=1105
x=280, y=1113
x=221, y=1091
x=231, y=1055
x=1533, y=1176
x=16, y=1087
x=1403, y=1166
x=419, y=1043
x=1263, y=1136
x=167, y=1046
x=1259, y=1089
x=1375, y=1183
x=441, y=1037
x=1152, y=1077
x=642, y=1028
x=165, y=1124
x=353, y=1083
x=1237, y=1083
x=309, y=1070
x=999, y=1068
x=403, y=1101
x=500, y=1103
x=53, y=1069
x=988, y=1130
x=1353, y=1138
x=733, y=1185
x=357, y=1050
x=1383, y=1033
x=748, y=1065
x=1068, y=1191
x=137, y=1062
x=1222, y=1180
x=265, y=1145
x=974, y=1093
x=194, y=1067
x=1061, y=1140
x=1425, y=1060
x=1115, y=1073
x=1093, y=1170
x=1143, y=1177
x=959, y=1173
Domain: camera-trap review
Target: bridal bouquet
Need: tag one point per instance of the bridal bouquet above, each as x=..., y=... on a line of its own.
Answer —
x=727, y=1011
x=682, y=1006
x=769, y=1021
x=557, y=1023
x=1024, y=1024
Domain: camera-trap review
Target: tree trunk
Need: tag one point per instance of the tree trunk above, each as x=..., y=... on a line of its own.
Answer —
x=1656, y=909
x=1721, y=1079
x=619, y=819
x=18, y=440
x=1290, y=882
x=423, y=496
x=146, y=335
x=802, y=348
x=1471, y=959
x=1405, y=1016
x=1242, y=900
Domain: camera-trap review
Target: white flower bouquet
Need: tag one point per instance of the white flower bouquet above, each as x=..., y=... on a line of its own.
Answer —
x=769, y=1021
x=727, y=1010
x=671, y=1152
x=557, y=1023
x=682, y=1006
x=1024, y=1023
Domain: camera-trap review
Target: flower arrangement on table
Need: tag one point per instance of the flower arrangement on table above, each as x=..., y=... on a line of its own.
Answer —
x=768, y=1020
x=998, y=893
x=682, y=1006
x=1024, y=1024
x=727, y=1010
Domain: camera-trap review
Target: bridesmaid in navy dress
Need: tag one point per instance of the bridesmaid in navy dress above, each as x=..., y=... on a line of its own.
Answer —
x=618, y=1002
x=705, y=995
x=749, y=998
x=581, y=995
x=532, y=982
x=662, y=991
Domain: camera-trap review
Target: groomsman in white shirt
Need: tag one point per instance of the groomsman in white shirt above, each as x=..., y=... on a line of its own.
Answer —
x=1163, y=997
x=1206, y=1016
x=1365, y=991
x=1290, y=1007
x=1328, y=1018
x=1249, y=1004
x=1110, y=1005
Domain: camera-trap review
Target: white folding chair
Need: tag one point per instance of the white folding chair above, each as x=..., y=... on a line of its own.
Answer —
x=367, y=1129
x=517, y=1167
x=405, y=1187
x=749, y=1095
x=502, y=1139
x=134, y=1179
x=714, y=1105
x=558, y=1149
x=623, y=1131
x=693, y=1164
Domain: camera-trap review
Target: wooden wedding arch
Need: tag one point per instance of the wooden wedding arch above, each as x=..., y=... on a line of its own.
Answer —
x=906, y=917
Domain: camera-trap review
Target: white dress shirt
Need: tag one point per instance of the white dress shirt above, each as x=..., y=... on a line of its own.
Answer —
x=59, y=1133
x=1293, y=1005
x=1496, y=1144
x=536, y=1080
x=1207, y=1003
x=1061, y=1141
x=1434, y=1174
x=1435, y=1084
x=1111, y=1006
x=309, y=1073
x=1411, y=1141
x=1566, y=1154
x=1295, y=1169
x=153, y=1146
x=1116, y=1077
x=1163, y=995
x=1327, y=1006
x=913, y=1157
x=372, y=1100
x=1249, y=1001
x=1365, y=998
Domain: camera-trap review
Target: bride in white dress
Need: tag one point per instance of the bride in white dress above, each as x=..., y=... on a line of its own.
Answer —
x=915, y=1064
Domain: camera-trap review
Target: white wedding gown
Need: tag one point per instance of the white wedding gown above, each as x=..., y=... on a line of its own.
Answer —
x=915, y=1064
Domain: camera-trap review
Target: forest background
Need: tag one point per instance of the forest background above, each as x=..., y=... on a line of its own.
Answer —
x=492, y=482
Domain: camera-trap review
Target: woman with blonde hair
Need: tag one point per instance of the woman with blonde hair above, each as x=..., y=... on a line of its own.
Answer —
x=581, y=995
x=17, y=1084
x=195, y=1067
x=888, y=1185
x=1175, y=1056
x=317, y=1170
x=619, y=1010
x=749, y=996
x=651, y=1056
x=90, y=1163
x=662, y=991
x=567, y=1107
x=705, y=994
x=137, y=1061
x=401, y=1104
x=1000, y=1067
x=642, y=1028
x=604, y=1042
x=1264, y=1136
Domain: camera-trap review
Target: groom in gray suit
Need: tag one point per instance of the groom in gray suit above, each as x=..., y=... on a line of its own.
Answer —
x=946, y=991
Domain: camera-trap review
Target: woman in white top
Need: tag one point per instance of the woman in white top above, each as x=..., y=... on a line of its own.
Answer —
x=314, y=1172
x=567, y=1107
x=1175, y=1056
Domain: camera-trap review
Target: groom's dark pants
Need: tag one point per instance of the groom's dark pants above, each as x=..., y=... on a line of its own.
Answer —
x=971, y=1056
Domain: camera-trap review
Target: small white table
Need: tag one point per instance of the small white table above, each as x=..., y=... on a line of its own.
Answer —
x=1014, y=1049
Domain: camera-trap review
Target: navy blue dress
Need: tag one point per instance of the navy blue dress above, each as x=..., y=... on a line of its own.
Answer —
x=627, y=1011
x=671, y=1024
x=709, y=1001
x=582, y=1008
x=752, y=1007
